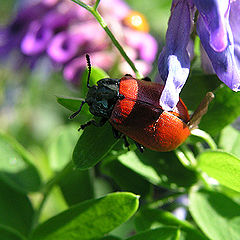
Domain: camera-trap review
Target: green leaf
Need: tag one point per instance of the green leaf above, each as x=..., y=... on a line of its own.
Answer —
x=132, y=161
x=8, y=233
x=151, y=218
x=125, y=178
x=230, y=140
x=15, y=210
x=93, y=145
x=96, y=75
x=217, y=215
x=222, y=166
x=16, y=166
x=110, y=238
x=162, y=233
x=90, y=219
x=198, y=80
x=76, y=186
x=159, y=168
x=61, y=145
x=71, y=103
x=223, y=110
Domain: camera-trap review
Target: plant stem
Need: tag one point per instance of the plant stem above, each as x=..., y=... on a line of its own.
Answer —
x=202, y=176
x=47, y=189
x=186, y=157
x=206, y=137
x=96, y=14
x=96, y=5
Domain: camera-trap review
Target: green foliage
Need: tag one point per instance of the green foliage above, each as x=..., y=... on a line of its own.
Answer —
x=16, y=166
x=222, y=166
x=61, y=146
x=70, y=103
x=91, y=148
x=217, y=215
x=163, y=233
x=58, y=183
x=223, y=110
x=89, y=220
x=16, y=212
x=150, y=218
x=230, y=140
x=10, y=234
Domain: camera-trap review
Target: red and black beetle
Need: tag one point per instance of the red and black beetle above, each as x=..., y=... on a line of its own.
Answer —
x=132, y=108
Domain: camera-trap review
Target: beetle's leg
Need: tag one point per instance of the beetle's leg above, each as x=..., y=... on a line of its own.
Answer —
x=78, y=111
x=126, y=143
x=139, y=147
x=148, y=79
x=116, y=133
x=97, y=124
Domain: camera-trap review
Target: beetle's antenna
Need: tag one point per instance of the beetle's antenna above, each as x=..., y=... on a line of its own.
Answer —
x=78, y=111
x=89, y=69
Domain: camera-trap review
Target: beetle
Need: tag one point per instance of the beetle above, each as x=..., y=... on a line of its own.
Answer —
x=132, y=108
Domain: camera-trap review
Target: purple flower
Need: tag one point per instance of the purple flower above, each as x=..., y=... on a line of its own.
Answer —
x=11, y=35
x=220, y=44
x=65, y=32
x=36, y=39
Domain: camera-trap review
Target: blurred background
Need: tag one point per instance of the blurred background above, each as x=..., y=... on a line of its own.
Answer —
x=42, y=55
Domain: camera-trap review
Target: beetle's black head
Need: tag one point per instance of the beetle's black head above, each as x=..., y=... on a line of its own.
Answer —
x=102, y=97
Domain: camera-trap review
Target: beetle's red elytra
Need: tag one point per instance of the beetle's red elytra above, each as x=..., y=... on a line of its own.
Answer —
x=132, y=108
x=140, y=117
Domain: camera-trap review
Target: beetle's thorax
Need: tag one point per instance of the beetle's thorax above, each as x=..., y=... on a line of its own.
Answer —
x=102, y=97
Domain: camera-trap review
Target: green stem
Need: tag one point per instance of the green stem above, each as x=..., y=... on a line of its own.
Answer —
x=96, y=5
x=47, y=189
x=96, y=14
x=204, y=180
x=189, y=154
x=186, y=157
x=206, y=137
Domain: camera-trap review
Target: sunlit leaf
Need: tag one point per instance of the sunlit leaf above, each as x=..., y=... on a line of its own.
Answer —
x=162, y=233
x=217, y=215
x=222, y=166
x=90, y=219
x=229, y=140
x=151, y=218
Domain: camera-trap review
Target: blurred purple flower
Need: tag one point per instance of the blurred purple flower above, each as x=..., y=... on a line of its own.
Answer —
x=219, y=35
x=65, y=32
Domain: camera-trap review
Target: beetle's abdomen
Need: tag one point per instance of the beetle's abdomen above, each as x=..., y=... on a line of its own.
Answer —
x=140, y=116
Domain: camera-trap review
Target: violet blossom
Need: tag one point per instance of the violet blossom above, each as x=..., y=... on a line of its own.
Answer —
x=217, y=26
x=64, y=32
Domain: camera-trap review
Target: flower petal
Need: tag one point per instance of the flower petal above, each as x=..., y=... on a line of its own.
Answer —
x=174, y=63
x=214, y=13
x=63, y=47
x=143, y=42
x=224, y=63
x=36, y=39
x=234, y=19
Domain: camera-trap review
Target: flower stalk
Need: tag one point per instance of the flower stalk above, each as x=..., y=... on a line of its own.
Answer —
x=99, y=18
